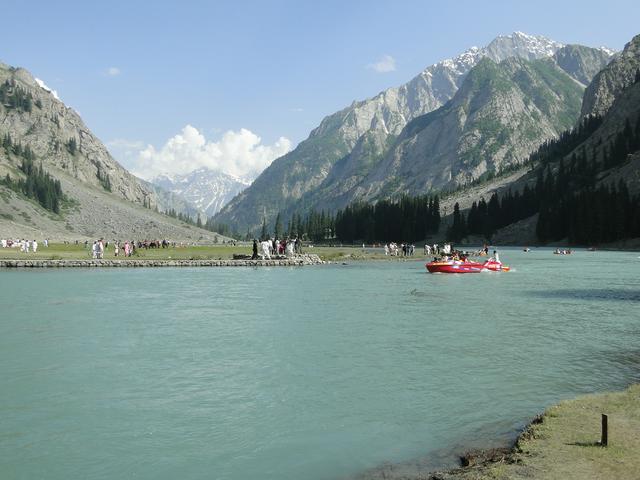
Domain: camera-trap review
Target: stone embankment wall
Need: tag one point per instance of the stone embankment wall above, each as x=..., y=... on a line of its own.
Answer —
x=297, y=261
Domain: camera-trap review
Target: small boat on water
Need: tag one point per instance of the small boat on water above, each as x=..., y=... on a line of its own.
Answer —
x=461, y=266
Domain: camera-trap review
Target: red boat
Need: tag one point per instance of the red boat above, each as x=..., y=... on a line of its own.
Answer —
x=459, y=266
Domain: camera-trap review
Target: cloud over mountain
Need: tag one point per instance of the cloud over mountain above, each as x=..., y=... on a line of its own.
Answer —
x=239, y=153
x=386, y=64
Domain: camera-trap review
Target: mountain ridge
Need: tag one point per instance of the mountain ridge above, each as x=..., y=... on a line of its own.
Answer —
x=101, y=198
x=544, y=111
x=205, y=189
x=368, y=126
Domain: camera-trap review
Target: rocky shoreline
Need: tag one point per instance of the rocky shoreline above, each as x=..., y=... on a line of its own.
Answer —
x=297, y=261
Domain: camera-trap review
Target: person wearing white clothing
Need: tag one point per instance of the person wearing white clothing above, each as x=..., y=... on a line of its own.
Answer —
x=265, y=249
x=35, y=246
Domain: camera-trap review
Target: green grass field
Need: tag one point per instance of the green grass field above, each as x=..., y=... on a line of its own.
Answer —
x=565, y=445
x=59, y=251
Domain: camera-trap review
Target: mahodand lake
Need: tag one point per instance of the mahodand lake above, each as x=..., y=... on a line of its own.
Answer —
x=299, y=373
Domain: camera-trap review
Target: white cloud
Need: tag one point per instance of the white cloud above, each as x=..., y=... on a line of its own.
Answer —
x=386, y=64
x=238, y=153
x=113, y=71
x=44, y=86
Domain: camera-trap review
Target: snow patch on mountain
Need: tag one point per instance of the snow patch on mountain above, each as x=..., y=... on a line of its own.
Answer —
x=44, y=86
x=607, y=50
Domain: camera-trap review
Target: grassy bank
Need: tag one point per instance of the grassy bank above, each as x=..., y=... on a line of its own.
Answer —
x=61, y=251
x=564, y=444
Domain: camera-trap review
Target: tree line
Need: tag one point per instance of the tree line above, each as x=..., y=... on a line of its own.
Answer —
x=407, y=219
x=37, y=185
x=567, y=199
x=573, y=207
x=316, y=226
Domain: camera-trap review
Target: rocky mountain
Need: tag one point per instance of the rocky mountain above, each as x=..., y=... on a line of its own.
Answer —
x=584, y=201
x=607, y=84
x=169, y=201
x=102, y=197
x=500, y=114
x=56, y=133
x=350, y=145
x=205, y=189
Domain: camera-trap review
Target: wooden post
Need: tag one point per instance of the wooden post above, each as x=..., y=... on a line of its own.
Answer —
x=604, y=440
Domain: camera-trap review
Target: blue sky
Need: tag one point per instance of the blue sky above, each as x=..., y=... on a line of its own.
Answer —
x=140, y=72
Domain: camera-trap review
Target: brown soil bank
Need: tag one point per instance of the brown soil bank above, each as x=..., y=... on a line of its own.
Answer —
x=564, y=444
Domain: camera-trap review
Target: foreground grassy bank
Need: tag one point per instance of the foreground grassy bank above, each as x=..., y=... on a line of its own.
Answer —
x=563, y=444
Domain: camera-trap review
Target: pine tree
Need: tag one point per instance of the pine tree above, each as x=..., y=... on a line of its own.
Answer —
x=292, y=226
x=277, y=229
x=457, y=231
x=72, y=146
x=263, y=234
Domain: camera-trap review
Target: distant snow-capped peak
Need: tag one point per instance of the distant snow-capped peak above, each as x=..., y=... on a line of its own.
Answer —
x=207, y=190
x=518, y=44
x=607, y=50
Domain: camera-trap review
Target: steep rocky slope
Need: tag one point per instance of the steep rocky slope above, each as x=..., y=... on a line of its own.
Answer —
x=608, y=83
x=350, y=144
x=500, y=114
x=57, y=136
x=103, y=198
x=365, y=129
x=94, y=214
x=623, y=109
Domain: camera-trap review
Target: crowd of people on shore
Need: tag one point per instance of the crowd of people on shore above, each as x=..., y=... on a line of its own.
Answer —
x=24, y=245
x=126, y=248
x=394, y=250
x=408, y=250
x=265, y=249
x=96, y=249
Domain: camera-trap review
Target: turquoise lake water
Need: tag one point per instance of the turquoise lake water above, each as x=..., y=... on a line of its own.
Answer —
x=299, y=373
